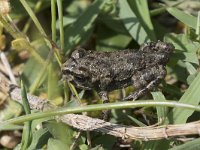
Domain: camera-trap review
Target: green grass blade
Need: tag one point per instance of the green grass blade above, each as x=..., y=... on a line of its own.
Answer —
x=54, y=144
x=96, y=107
x=140, y=8
x=11, y=127
x=53, y=89
x=132, y=23
x=136, y=121
x=191, y=96
x=191, y=145
x=34, y=18
x=26, y=136
x=53, y=20
x=187, y=19
x=25, y=99
x=60, y=15
x=29, y=22
x=161, y=111
x=83, y=26
x=198, y=26
x=41, y=75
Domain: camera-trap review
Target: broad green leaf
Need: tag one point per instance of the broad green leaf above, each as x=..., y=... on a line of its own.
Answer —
x=66, y=21
x=32, y=68
x=185, y=51
x=55, y=144
x=40, y=138
x=73, y=103
x=191, y=145
x=182, y=42
x=63, y=132
x=75, y=8
x=109, y=40
x=113, y=23
x=132, y=23
x=159, y=30
x=188, y=57
x=191, y=78
x=140, y=8
x=53, y=88
x=83, y=147
x=11, y=109
x=172, y=90
x=187, y=19
x=191, y=96
x=179, y=70
x=82, y=27
x=156, y=145
x=190, y=68
x=98, y=147
x=42, y=74
x=161, y=111
x=192, y=71
x=106, y=141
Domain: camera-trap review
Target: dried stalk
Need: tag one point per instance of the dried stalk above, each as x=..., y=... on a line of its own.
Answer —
x=86, y=123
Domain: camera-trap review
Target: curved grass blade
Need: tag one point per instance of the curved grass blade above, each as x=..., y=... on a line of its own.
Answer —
x=132, y=23
x=83, y=26
x=140, y=8
x=191, y=96
x=26, y=136
x=191, y=145
x=187, y=19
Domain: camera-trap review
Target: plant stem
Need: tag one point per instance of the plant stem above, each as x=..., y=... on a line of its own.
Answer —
x=8, y=28
x=28, y=24
x=53, y=19
x=33, y=17
x=60, y=15
x=95, y=107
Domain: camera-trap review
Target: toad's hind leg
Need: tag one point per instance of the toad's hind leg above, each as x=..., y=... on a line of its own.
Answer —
x=146, y=80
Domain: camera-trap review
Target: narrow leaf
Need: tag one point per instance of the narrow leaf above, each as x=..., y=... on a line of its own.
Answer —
x=26, y=136
x=191, y=96
x=140, y=8
x=187, y=19
x=132, y=23
x=191, y=145
x=83, y=26
x=161, y=111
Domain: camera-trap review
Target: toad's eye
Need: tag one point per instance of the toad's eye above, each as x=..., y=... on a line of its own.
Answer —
x=80, y=79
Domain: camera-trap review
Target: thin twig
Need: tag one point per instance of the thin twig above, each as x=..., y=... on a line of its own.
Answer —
x=8, y=68
x=85, y=123
x=2, y=69
x=75, y=142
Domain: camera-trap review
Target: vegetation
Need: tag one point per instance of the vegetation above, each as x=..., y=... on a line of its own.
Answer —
x=37, y=37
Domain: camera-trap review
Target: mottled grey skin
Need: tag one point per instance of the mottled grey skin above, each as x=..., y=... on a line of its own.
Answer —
x=107, y=71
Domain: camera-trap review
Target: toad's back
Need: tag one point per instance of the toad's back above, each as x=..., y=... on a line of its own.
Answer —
x=117, y=65
x=106, y=71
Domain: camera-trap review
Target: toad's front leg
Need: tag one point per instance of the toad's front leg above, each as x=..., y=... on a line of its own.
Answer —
x=145, y=80
x=105, y=113
x=103, y=93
